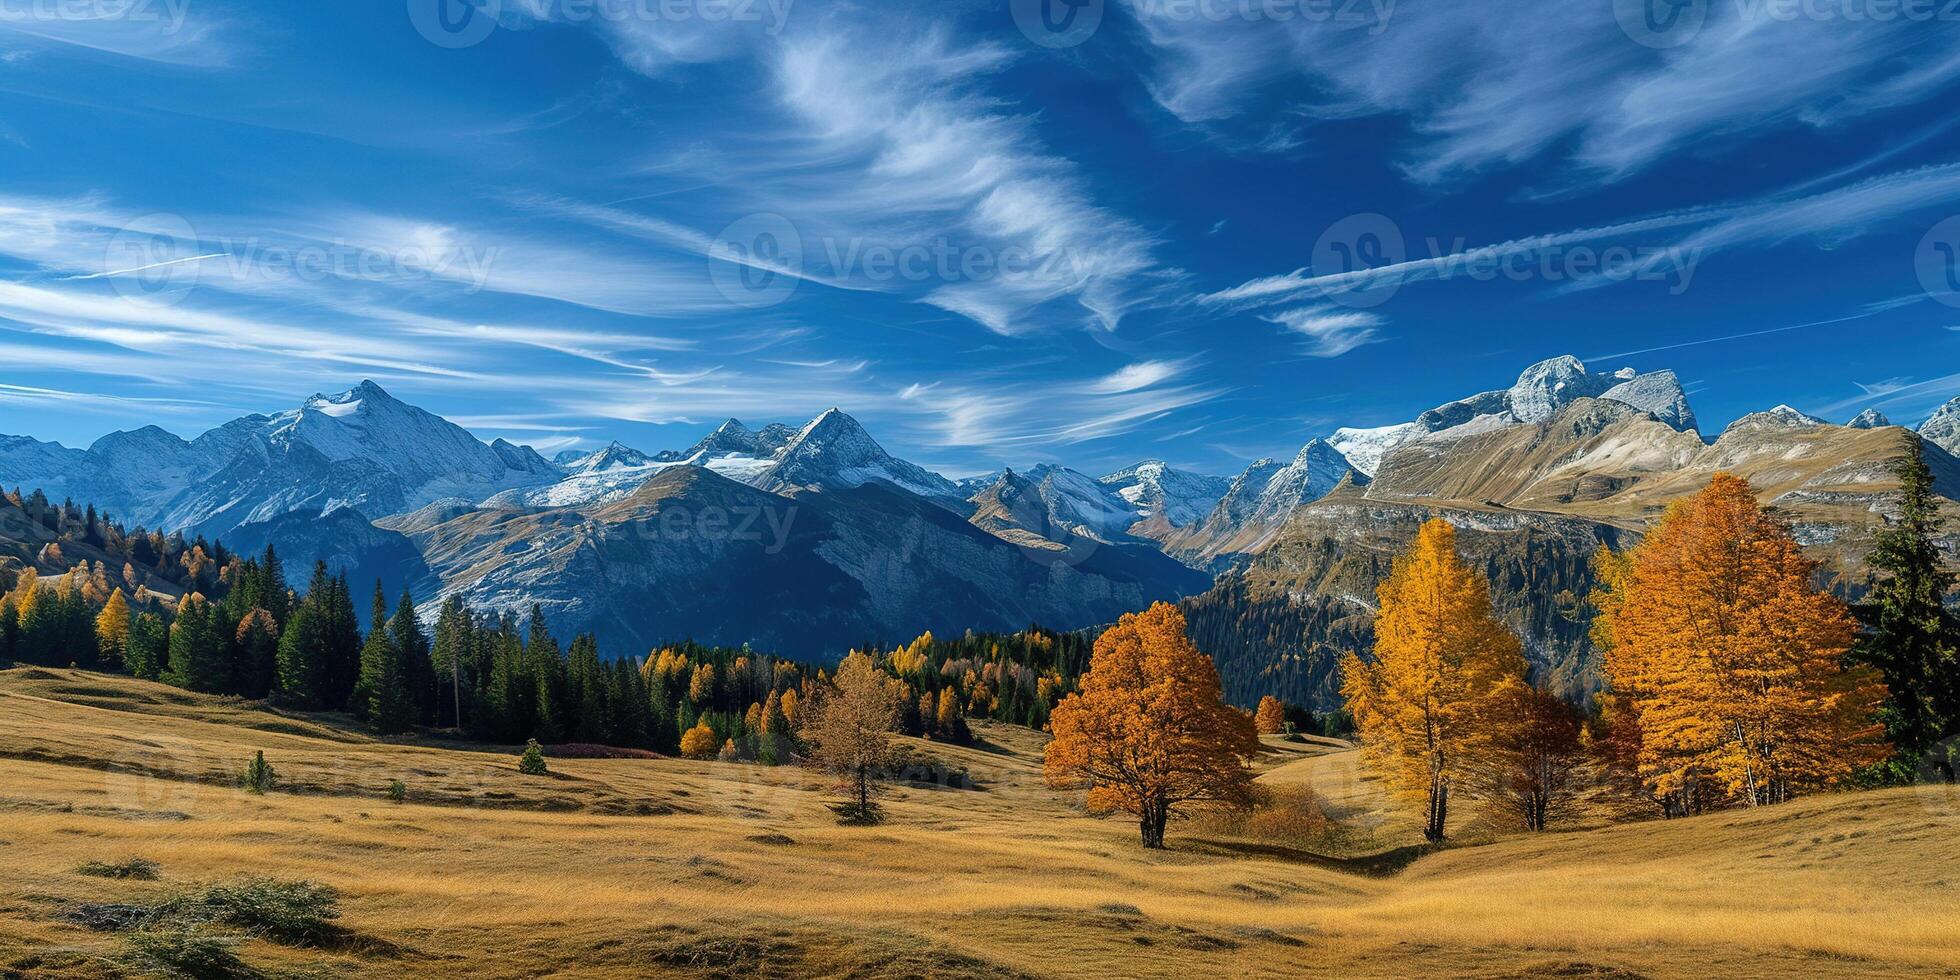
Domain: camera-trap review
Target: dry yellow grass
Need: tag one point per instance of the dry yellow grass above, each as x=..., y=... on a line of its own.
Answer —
x=650, y=867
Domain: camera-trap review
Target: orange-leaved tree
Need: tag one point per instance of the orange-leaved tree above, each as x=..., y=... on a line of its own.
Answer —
x=1429, y=702
x=1733, y=659
x=1271, y=716
x=1149, y=732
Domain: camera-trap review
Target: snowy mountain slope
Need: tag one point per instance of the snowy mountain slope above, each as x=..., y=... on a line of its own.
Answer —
x=1159, y=492
x=1259, y=502
x=1943, y=428
x=834, y=452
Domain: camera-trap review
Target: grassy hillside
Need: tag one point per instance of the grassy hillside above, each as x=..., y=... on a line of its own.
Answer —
x=626, y=867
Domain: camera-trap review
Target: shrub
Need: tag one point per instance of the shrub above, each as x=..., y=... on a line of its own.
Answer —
x=259, y=775
x=185, y=953
x=531, y=763
x=135, y=868
x=1290, y=813
x=398, y=791
x=287, y=911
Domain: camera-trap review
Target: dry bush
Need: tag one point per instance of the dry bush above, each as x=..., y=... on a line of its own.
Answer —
x=1289, y=814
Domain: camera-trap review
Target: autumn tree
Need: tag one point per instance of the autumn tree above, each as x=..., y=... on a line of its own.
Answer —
x=1271, y=716
x=700, y=741
x=1734, y=660
x=1429, y=700
x=1531, y=766
x=1149, y=732
x=112, y=629
x=1910, y=635
x=849, y=727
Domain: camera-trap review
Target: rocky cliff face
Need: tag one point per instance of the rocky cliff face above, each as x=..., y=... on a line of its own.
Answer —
x=1532, y=503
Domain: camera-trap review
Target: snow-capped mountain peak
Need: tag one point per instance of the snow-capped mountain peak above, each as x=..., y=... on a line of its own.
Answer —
x=1156, y=489
x=833, y=451
x=613, y=456
x=1870, y=418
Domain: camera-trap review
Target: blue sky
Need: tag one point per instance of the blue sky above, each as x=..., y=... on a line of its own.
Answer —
x=1204, y=231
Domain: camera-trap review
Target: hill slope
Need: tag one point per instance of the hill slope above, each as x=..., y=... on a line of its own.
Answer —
x=632, y=867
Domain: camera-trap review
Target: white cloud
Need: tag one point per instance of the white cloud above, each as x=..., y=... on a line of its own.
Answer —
x=1139, y=375
x=1330, y=330
x=1489, y=85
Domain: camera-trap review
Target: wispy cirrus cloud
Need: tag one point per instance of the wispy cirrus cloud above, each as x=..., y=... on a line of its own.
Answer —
x=1330, y=331
x=1830, y=216
x=1012, y=419
x=1487, y=86
x=901, y=172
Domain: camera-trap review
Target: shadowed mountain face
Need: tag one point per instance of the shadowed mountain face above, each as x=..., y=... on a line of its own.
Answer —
x=691, y=553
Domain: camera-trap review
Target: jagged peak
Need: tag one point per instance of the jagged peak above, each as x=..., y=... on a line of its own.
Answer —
x=1870, y=418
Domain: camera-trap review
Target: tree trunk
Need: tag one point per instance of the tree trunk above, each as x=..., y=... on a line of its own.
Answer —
x=1151, y=818
x=1439, y=810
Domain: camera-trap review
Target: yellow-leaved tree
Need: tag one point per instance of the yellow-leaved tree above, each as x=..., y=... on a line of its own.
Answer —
x=849, y=728
x=1732, y=659
x=1149, y=731
x=1429, y=703
x=112, y=629
x=699, y=742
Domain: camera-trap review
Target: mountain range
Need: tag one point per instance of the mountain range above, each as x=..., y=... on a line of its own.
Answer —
x=807, y=540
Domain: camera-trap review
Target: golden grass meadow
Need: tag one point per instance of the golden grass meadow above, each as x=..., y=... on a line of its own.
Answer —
x=638, y=867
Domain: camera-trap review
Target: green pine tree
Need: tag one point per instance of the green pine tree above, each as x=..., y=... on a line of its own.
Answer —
x=259, y=775
x=148, y=648
x=531, y=763
x=300, y=675
x=198, y=659
x=382, y=695
x=1911, y=637
x=418, y=674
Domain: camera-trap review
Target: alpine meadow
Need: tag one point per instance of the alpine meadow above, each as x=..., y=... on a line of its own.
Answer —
x=982, y=488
